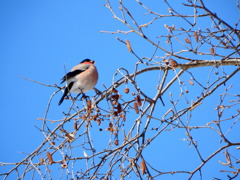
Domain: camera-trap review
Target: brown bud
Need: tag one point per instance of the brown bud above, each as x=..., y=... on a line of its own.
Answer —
x=138, y=99
x=126, y=90
x=135, y=106
x=75, y=126
x=53, y=143
x=115, y=97
x=187, y=41
x=212, y=51
x=196, y=36
x=116, y=142
x=50, y=159
x=64, y=165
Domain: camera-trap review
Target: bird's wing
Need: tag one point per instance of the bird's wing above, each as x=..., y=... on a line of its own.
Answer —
x=71, y=74
x=75, y=71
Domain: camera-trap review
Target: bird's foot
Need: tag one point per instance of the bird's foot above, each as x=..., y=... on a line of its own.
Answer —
x=84, y=97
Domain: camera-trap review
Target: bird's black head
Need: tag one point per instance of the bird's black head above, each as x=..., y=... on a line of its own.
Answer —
x=87, y=61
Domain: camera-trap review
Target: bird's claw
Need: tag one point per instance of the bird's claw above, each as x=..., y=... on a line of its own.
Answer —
x=84, y=96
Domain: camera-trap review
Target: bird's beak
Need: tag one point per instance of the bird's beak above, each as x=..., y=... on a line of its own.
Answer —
x=92, y=61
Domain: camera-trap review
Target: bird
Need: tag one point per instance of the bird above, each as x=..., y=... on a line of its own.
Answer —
x=81, y=79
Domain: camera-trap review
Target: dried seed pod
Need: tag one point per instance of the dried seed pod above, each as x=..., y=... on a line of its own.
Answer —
x=187, y=41
x=119, y=108
x=138, y=99
x=225, y=44
x=196, y=36
x=75, y=126
x=116, y=142
x=212, y=51
x=135, y=106
x=126, y=90
x=53, y=143
x=114, y=90
x=50, y=159
x=129, y=46
x=115, y=97
x=173, y=63
x=64, y=165
x=143, y=167
x=89, y=104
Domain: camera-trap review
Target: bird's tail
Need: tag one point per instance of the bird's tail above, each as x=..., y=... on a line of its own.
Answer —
x=66, y=91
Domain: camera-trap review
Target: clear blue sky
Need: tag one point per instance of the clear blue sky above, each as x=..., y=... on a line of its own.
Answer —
x=39, y=38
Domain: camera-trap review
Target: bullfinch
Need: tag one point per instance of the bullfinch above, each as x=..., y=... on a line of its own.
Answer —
x=81, y=79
